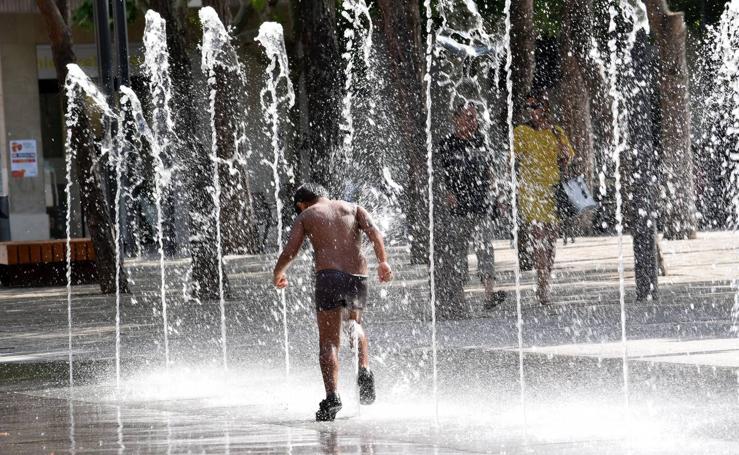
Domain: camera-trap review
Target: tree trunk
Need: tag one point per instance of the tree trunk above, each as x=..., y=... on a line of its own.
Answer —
x=321, y=67
x=523, y=47
x=678, y=211
x=523, y=63
x=575, y=97
x=189, y=149
x=642, y=204
x=56, y=19
x=95, y=206
x=296, y=152
x=238, y=231
x=401, y=22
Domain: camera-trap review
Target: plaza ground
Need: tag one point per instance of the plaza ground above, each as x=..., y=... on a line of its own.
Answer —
x=682, y=395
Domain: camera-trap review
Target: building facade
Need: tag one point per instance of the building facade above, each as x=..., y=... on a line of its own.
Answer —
x=32, y=186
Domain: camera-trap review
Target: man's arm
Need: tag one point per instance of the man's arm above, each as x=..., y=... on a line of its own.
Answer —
x=365, y=223
x=292, y=248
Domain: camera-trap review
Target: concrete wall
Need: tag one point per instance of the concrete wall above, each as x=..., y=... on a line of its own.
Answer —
x=20, y=118
x=28, y=218
x=19, y=34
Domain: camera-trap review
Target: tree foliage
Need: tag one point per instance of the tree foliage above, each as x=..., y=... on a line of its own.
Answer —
x=83, y=16
x=699, y=13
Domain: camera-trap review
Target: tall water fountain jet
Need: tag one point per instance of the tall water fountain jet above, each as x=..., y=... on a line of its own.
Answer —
x=464, y=36
x=71, y=118
x=119, y=155
x=218, y=55
x=430, y=171
x=119, y=430
x=358, y=32
x=271, y=37
x=473, y=55
x=514, y=209
x=631, y=14
x=357, y=14
x=444, y=8
x=130, y=104
x=156, y=67
x=361, y=162
x=76, y=86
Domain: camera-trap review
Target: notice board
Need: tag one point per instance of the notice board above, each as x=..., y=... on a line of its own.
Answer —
x=23, y=158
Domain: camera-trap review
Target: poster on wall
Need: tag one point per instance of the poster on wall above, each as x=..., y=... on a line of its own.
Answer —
x=23, y=158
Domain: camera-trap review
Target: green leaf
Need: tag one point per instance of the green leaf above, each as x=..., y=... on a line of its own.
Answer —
x=83, y=15
x=259, y=5
x=548, y=17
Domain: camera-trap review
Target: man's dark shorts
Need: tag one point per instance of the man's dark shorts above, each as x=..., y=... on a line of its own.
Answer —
x=335, y=289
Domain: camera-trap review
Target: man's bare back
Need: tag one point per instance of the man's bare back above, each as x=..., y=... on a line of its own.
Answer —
x=335, y=228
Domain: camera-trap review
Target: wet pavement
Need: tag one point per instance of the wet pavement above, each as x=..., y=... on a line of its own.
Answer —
x=237, y=418
x=682, y=392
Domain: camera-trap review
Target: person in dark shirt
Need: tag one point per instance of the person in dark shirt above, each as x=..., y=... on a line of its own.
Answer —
x=466, y=209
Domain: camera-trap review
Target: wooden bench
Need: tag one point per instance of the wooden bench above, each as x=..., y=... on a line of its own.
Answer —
x=44, y=262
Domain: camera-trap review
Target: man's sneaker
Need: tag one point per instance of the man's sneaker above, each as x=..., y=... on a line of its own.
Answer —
x=328, y=408
x=366, y=383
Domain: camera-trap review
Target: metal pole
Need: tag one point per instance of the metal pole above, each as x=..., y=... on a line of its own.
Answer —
x=106, y=80
x=102, y=34
x=4, y=175
x=122, y=69
x=101, y=17
x=121, y=37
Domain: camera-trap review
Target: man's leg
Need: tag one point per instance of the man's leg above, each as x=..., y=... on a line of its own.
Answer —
x=525, y=246
x=545, y=241
x=486, y=262
x=329, y=337
x=460, y=231
x=540, y=240
x=552, y=233
x=365, y=378
x=449, y=289
x=356, y=315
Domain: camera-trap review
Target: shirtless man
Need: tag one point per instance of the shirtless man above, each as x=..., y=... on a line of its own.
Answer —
x=335, y=228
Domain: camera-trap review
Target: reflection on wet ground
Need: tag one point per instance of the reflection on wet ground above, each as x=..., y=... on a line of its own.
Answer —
x=33, y=425
x=682, y=397
x=571, y=408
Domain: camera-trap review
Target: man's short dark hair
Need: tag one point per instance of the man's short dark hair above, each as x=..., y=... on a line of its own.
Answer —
x=308, y=193
x=461, y=107
x=538, y=96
